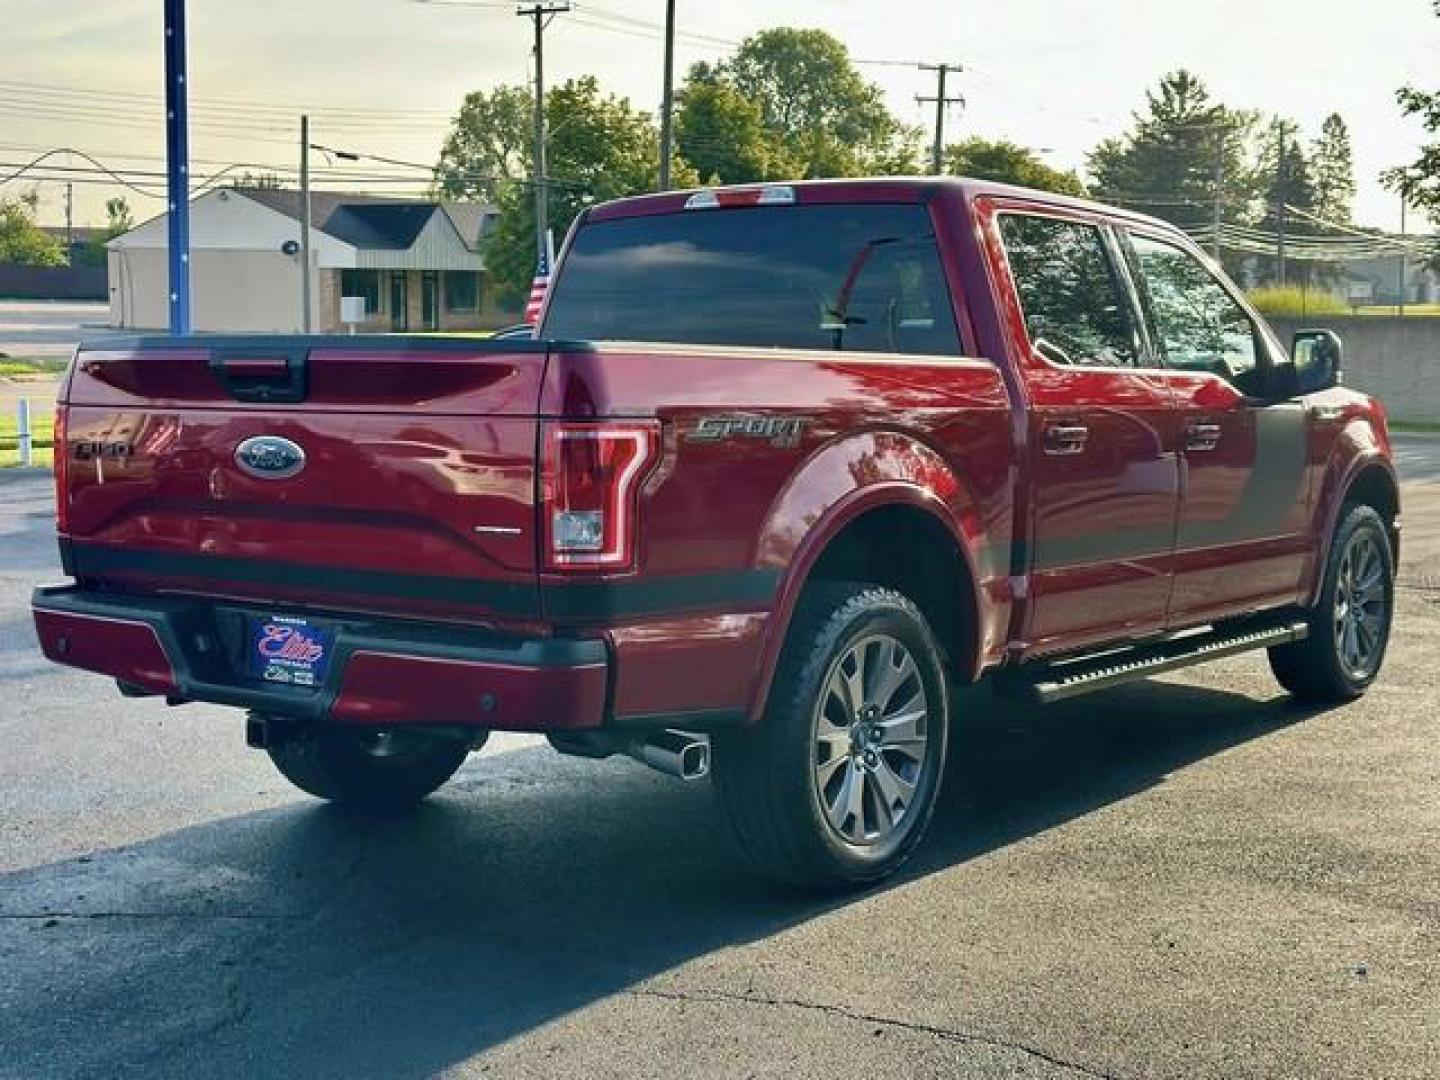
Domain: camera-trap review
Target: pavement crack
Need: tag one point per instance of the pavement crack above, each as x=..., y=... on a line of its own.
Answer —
x=217, y=915
x=949, y=1034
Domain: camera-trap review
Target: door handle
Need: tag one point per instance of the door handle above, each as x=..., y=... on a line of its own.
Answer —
x=1202, y=436
x=1065, y=439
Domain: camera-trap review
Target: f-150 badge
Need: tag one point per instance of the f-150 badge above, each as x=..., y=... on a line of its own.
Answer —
x=781, y=431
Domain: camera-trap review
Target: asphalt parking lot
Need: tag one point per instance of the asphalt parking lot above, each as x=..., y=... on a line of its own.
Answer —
x=1186, y=877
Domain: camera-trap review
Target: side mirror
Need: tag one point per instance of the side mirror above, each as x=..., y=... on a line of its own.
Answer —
x=1316, y=356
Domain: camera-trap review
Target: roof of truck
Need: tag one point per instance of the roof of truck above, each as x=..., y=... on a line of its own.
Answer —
x=868, y=189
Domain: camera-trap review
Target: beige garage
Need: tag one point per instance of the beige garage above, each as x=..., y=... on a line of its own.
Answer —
x=416, y=263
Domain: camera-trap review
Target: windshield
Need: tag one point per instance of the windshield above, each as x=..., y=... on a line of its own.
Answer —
x=860, y=278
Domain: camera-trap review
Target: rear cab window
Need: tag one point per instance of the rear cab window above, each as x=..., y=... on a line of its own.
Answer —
x=843, y=277
x=1077, y=311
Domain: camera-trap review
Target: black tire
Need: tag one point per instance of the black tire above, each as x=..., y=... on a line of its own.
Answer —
x=1322, y=669
x=373, y=769
x=777, y=791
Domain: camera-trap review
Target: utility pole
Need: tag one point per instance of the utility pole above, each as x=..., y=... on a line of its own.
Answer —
x=177, y=167
x=667, y=103
x=1404, y=261
x=541, y=13
x=1282, y=130
x=305, y=282
x=69, y=221
x=1219, y=187
x=937, y=153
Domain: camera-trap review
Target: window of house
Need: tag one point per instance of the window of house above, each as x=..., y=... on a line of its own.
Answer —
x=1075, y=310
x=462, y=290
x=1198, y=324
x=364, y=283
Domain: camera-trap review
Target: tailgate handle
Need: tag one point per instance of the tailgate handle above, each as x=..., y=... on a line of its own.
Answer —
x=262, y=374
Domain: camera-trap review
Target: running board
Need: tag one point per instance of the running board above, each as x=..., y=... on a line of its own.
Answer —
x=1070, y=678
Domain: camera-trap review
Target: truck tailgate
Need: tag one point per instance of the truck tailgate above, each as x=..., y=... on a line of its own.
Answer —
x=414, y=488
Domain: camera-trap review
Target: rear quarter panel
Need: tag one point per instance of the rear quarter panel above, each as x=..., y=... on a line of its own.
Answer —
x=731, y=525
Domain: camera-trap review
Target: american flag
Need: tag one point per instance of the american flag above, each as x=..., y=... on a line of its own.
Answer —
x=537, y=288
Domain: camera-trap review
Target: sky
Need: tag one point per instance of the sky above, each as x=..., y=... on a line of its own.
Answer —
x=382, y=76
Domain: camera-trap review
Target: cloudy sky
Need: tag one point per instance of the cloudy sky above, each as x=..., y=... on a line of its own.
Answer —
x=382, y=76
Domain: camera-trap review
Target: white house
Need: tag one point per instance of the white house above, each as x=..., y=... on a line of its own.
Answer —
x=417, y=264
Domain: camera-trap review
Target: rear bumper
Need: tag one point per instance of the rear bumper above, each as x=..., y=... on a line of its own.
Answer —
x=383, y=673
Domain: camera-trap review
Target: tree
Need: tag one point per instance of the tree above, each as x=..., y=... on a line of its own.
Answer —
x=21, y=240
x=1009, y=163
x=600, y=148
x=722, y=132
x=490, y=142
x=827, y=119
x=1419, y=182
x=1166, y=164
x=118, y=218
x=1332, y=171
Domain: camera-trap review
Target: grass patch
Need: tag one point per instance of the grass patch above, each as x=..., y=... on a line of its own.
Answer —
x=1295, y=302
x=32, y=365
x=1422, y=311
x=42, y=424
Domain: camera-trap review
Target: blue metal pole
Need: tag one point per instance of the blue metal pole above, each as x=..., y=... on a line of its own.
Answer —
x=177, y=165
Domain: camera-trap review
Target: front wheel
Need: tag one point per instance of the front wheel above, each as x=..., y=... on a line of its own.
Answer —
x=1350, y=625
x=836, y=786
x=382, y=768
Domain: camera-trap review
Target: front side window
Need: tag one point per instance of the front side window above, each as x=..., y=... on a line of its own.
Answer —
x=850, y=278
x=1199, y=326
x=1075, y=311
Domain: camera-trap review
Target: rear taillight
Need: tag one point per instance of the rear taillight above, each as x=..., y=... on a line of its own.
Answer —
x=62, y=470
x=589, y=487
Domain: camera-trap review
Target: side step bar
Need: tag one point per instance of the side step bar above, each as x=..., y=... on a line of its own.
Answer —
x=1051, y=682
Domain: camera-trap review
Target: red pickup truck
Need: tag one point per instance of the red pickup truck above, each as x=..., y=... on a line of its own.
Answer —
x=781, y=467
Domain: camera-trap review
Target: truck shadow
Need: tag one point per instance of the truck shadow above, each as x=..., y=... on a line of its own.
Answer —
x=308, y=941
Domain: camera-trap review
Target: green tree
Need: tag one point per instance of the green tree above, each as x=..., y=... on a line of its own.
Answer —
x=1332, y=169
x=600, y=148
x=722, y=132
x=491, y=141
x=21, y=240
x=1166, y=164
x=118, y=218
x=1419, y=182
x=1009, y=163
x=828, y=120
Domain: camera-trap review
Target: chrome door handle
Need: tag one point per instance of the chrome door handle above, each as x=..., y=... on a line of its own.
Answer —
x=1202, y=436
x=1065, y=439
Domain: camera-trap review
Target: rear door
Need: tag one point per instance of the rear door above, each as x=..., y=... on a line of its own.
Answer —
x=383, y=475
x=1102, y=454
x=1243, y=535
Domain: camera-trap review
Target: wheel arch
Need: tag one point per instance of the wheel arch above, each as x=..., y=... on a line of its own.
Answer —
x=1369, y=480
x=903, y=531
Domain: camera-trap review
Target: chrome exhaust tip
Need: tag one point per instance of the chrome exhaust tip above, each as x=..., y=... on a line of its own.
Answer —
x=675, y=753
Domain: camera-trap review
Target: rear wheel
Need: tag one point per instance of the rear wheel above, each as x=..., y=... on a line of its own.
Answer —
x=1350, y=625
x=837, y=785
x=380, y=768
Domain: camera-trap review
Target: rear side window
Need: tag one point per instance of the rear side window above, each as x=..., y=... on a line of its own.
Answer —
x=852, y=278
x=1075, y=310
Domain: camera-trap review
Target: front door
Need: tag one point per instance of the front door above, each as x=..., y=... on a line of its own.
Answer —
x=1242, y=542
x=430, y=300
x=1103, y=454
x=399, y=302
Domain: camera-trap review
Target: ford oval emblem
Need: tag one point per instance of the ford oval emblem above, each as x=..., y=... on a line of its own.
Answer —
x=269, y=457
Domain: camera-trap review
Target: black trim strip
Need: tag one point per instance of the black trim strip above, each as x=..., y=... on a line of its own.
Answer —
x=272, y=344
x=578, y=599
x=96, y=561
x=650, y=596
